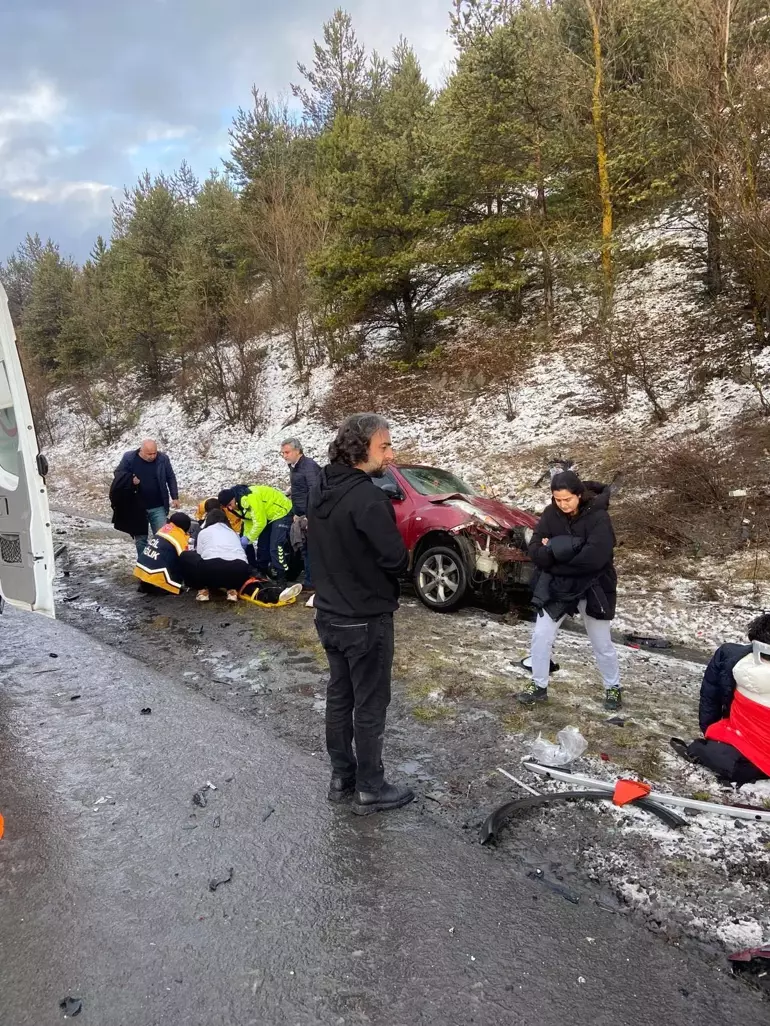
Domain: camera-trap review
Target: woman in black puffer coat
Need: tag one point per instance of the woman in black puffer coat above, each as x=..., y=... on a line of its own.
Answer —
x=572, y=549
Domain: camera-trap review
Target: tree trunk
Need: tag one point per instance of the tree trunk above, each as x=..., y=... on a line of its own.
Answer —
x=605, y=193
x=714, y=237
x=542, y=207
x=409, y=324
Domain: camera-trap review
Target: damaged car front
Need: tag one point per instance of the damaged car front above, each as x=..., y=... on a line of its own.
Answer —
x=460, y=542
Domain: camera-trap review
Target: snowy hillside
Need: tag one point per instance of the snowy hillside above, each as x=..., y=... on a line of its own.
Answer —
x=476, y=438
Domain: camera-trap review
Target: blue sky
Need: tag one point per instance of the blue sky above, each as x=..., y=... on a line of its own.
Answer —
x=92, y=92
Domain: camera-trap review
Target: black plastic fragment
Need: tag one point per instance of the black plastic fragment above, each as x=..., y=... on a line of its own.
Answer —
x=492, y=825
x=214, y=882
x=644, y=641
x=146, y=711
x=74, y=698
x=71, y=1006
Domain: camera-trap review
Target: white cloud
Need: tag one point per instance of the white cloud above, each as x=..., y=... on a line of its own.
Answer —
x=164, y=133
x=58, y=192
x=41, y=104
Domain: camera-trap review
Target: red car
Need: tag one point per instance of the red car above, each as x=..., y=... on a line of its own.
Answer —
x=459, y=543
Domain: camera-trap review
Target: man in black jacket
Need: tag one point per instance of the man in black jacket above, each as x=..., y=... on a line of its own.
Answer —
x=155, y=479
x=304, y=474
x=358, y=556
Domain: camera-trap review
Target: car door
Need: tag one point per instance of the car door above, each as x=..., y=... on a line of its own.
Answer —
x=26, y=543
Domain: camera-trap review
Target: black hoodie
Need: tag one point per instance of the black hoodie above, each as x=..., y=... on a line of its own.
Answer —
x=356, y=552
x=587, y=569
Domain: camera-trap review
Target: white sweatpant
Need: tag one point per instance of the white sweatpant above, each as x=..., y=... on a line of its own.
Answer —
x=599, y=635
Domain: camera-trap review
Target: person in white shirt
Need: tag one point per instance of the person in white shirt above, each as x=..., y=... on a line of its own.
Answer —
x=219, y=561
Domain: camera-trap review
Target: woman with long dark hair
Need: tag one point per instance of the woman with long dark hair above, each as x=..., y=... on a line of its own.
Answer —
x=573, y=552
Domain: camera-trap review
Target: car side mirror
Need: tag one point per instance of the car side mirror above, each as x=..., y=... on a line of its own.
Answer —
x=392, y=491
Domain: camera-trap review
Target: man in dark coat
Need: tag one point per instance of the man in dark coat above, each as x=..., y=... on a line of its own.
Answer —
x=154, y=476
x=573, y=552
x=128, y=512
x=358, y=556
x=304, y=474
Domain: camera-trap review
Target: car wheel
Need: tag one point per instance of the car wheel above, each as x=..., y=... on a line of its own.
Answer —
x=440, y=578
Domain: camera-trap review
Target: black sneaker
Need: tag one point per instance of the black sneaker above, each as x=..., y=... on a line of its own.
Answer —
x=613, y=699
x=532, y=694
x=341, y=788
x=389, y=796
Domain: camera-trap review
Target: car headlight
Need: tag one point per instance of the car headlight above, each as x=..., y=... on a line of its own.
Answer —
x=529, y=534
x=471, y=511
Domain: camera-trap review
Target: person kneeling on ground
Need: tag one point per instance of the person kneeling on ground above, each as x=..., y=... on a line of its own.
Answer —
x=267, y=521
x=220, y=562
x=734, y=713
x=158, y=565
x=573, y=552
x=205, y=507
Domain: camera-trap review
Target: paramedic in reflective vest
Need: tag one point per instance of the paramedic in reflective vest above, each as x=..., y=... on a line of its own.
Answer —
x=158, y=565
x=267, y=522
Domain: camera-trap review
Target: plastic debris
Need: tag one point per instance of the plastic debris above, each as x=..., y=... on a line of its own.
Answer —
x=74, y=698
x=214, y=882
x=52, y=655
x=71, y=1007
x=2, y=826
x=642, y=641
x=629, y=791
x=571, y=745
x=199, y=799
x=267, y=813
x=217, y=821
x=616, y=721
x=146, y=711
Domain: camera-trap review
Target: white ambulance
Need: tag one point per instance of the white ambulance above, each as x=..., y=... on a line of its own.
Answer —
x=26, y=543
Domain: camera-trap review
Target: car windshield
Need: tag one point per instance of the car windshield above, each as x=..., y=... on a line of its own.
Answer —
x=430, y=481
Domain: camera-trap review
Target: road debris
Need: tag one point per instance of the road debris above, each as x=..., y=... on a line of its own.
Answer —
x=656, y=797
x=2, y=826
x=492, y=825
x=571, y=745
x=555, y=886
x=71, y=1006
x=642, y=641
x=516, y=780
x=267, y=813
x=217, y=822
x=146, y=711
x=199, y=798
x=74, y=698
x=214, y=882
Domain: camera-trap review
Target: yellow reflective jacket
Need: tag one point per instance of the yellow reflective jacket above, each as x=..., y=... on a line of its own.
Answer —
x=260, y=507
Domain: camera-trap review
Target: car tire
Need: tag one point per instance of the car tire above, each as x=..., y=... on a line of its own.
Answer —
x=440, y=578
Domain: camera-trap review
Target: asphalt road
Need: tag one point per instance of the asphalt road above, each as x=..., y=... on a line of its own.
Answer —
x=106, y=863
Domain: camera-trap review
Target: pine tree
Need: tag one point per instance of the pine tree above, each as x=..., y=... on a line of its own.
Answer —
x=384, y=263
x=338, y=78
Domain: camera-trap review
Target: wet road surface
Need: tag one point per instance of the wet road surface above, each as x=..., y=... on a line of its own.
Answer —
x=106, y=863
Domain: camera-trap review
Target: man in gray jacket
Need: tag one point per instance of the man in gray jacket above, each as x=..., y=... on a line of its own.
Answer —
x=305, y=474
x=154, y=476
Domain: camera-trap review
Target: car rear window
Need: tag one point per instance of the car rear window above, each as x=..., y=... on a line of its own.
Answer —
x=430, y=481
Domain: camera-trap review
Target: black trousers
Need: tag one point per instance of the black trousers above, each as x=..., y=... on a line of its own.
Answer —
x=360, y=654
x=725, y=760
x=230, y=574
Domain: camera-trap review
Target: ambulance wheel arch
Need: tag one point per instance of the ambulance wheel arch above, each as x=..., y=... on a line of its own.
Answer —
x=26, y=542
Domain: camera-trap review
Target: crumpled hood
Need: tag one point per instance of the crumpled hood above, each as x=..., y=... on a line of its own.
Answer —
x=335, y=482
x=508, y=517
